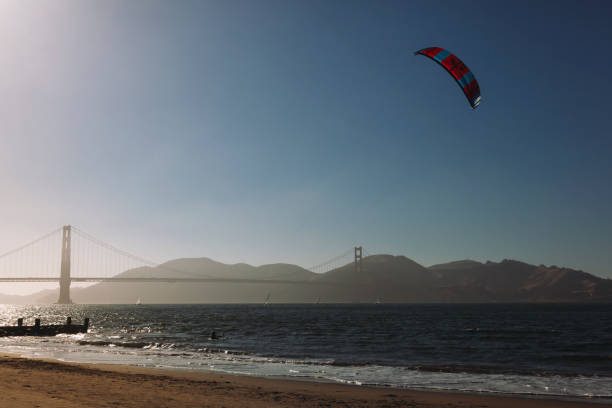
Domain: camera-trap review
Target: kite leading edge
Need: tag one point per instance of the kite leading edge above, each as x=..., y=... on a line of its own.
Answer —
x=454, y=66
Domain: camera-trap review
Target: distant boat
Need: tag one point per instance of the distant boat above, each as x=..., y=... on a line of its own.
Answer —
x=267, y=299
x=138, y=301
x=318, y=300
x=377, y=300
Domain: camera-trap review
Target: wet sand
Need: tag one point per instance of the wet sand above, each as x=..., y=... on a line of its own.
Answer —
x=47, y=383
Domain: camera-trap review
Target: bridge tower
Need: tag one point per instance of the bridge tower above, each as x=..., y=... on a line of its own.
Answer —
x=64, y=295
x=358, y=253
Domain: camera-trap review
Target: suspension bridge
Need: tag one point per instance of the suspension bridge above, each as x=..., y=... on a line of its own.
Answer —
x=84, y=258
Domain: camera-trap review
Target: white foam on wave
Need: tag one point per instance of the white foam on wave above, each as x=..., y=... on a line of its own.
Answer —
x=163, y=356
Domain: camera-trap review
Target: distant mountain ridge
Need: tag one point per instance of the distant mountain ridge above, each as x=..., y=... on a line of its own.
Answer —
x=384, y=278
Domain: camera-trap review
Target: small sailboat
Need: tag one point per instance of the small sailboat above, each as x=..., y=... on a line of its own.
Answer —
x=267, y=299
x=138, y=301
x=318, y=300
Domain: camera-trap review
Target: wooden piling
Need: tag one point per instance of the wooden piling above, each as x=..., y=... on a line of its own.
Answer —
x=46, y=330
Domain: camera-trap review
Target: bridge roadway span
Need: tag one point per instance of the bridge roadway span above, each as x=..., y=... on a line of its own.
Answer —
x=171, y=280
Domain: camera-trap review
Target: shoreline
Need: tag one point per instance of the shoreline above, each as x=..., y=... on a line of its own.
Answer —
x=30, y=382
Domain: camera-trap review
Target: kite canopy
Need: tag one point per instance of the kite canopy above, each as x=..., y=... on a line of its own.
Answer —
x=454, y=66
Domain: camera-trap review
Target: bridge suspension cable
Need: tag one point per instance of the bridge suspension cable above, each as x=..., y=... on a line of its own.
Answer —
x=38, y=259
x=333, y=263
x=30, y=243
x=111, y=260
x=103, y=244
x=94, y=259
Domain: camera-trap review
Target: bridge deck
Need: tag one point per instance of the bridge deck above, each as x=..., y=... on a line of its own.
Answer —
x=169, y=280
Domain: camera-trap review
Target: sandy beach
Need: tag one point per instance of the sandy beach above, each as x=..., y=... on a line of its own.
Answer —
x=49, y=383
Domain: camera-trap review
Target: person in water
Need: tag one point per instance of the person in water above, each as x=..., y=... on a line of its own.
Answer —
x=213, y=335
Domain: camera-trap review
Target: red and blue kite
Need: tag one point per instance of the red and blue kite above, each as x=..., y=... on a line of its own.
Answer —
x=454, y=66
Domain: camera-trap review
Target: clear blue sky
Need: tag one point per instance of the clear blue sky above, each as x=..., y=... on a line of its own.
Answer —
x=286, y=131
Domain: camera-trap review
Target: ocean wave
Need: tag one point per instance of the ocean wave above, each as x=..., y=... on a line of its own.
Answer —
x=511, y=331
x=126, y=344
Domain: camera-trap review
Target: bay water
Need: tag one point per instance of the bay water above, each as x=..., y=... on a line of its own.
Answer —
x=561, y=350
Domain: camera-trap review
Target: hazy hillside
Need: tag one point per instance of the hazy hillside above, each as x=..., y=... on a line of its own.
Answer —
x=384, y=278
x=110, y=292
x=513, y=281
x=14, y=299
